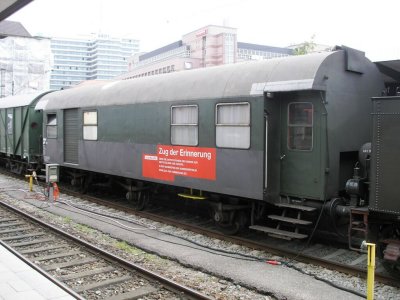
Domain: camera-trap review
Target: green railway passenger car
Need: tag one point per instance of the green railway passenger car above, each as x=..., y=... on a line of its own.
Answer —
x=21, y=132
x=273, y=139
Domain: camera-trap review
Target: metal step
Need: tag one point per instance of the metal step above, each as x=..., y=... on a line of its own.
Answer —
x=279, y=233
x=289, y=220
x=295, y=206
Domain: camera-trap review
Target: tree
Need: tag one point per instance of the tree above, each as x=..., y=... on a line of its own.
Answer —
x=306, y=47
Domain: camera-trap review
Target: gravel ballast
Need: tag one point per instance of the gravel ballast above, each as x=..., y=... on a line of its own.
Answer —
x=223, y=277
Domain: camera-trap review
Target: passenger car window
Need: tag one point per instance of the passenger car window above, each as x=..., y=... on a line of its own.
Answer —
x=233, y=125
x=51, y=126
x=10, y=123
x=300, y=126
x=184, y=125
x=90, y=125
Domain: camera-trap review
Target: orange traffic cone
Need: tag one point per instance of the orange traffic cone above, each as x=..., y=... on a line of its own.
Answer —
x=56, y=191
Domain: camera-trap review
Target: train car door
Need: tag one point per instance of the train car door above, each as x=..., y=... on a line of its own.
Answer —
x=3, y=127
x=10, y=131
x=300, y=156
x=71, y=136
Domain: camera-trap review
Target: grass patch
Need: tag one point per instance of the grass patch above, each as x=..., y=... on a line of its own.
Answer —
x=84, y=228
x=124, y=246
x=150, y=257
x=67, y=220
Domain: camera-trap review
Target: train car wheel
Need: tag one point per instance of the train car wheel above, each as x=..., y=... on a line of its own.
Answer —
x=138, y=199
x=389, y=249
x=231, y=222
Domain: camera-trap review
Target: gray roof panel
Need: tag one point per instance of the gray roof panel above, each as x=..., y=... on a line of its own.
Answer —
x=20, y=100
x=226, y=81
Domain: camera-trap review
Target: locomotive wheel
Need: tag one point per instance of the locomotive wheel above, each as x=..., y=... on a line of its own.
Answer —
x=390, y=232
x=139, y=200
x=236, y=222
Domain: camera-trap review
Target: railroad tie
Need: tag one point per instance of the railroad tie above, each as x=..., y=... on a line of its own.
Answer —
x=12, y=224
x=85, y=273
x=334, y=254
x=8, y=220
x=136, y=294
x=98, y=285
x=58, y=255
x=39, y=241
x=70, y=264
x=41, y=249
x=15, y=230
x=24, y=236
x=361, y=259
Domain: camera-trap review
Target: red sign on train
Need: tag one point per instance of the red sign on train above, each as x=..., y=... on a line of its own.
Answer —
x=171, y=161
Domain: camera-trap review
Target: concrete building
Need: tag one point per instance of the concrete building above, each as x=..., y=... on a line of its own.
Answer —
x=25, y=61
x=95, y=57
x=208, y=46
x=212, y=45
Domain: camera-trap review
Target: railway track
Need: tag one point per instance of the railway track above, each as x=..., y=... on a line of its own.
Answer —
x=330, y=257
x=81, y=269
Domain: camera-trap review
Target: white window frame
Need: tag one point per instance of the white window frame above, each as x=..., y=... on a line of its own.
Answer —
x=289, y=125
x=10, y=123
x=86, y=125
x=218, y=124
x=185, y=124
x=52, y=126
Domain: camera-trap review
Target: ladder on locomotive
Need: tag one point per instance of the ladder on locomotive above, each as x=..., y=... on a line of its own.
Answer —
x=358, y=227
x=291, y=216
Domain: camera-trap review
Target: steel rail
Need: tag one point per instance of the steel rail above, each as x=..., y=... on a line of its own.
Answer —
x=167, y=283
x=344, y=268
x=350, y=270
x=41, y=271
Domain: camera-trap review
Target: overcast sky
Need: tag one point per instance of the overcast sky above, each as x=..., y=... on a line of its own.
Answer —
x=369, y=25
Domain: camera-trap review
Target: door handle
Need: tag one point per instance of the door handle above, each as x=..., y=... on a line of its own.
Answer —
x=282, y=156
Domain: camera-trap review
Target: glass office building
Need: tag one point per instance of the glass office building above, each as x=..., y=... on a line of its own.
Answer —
x=98, y=57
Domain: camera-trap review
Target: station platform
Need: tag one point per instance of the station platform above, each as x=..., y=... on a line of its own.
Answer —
x=19, y=281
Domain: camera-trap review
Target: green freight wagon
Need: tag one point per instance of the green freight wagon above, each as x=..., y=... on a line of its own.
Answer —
x=21, y=132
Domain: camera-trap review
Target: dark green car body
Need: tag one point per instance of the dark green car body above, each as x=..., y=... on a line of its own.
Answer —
x=21, y=128
x=302, y=121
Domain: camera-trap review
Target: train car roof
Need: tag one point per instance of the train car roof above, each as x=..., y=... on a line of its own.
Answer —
x=20, y=100
x=390, y=70
x=291, y=73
